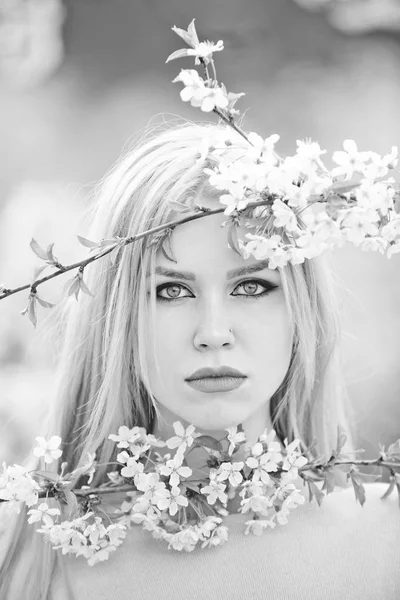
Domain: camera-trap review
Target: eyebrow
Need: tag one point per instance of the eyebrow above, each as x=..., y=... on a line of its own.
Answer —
x=187, y=276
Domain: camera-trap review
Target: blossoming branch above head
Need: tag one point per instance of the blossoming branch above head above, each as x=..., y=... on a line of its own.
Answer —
x=310, y=208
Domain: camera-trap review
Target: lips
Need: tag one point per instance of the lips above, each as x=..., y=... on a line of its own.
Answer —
x=219, y=372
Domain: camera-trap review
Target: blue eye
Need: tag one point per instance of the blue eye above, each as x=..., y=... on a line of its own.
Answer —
x=268, y=287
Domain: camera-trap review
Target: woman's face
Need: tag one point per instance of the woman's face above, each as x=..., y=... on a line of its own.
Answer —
x=215, y=319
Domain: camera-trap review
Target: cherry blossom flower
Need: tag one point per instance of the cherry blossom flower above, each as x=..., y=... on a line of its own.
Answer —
x=235, y=438
x=183, y=438
x=380, y=165
x=218, y=536
x=284, y=216
x=43, y=513
x=210, y=98
x=349, y=160
x=175, y=471
x=262, y=462
x=258, y=526
x=127, y=436
x=183, y=540
x=200, y=50
x=262, y=149
x=215, y=489
x=18, y=485
x=170, y=499
x=310, y=152
x=259, y=246
x=254, y=498
x=132, y=468
x=230, y=471
x=48, y=449
x=358, y=223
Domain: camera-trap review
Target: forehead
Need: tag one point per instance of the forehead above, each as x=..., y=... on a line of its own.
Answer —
x=201, y=247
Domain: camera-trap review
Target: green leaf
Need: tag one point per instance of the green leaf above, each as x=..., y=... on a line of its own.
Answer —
x=314, y=491
x=189, y=36
x=393, y=452
x=177, y=54
x=342, y=437
x=166, y=248
x=48, y=475
x=359, y=489
x=73, y=286
x=37, y=271
x=87, y=243
x=71, y=500
x=233, y=238
x=389, y=490
x=31, y=309
x=85, y=289
x=107, y=242
x=343, y=188
x=44, y=303
x=38, y=250
x=49, y=253
x=329, y=482
x=208, y=441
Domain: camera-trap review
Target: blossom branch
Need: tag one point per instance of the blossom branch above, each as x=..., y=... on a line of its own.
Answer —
x=202, y=212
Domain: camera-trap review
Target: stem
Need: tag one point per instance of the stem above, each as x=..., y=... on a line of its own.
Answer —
x=232, y=124
x=130, y=240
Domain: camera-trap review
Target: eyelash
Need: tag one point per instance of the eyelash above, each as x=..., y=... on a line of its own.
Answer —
x=269, y=287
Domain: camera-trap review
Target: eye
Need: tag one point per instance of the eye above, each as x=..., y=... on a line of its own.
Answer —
x=249, y=286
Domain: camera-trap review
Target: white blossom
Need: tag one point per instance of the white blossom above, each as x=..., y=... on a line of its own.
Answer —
x=18, y=485
x=183, y=438
x=49, y=449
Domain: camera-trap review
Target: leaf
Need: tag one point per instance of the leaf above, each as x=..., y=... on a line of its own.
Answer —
x=390, y=489
x=48, y=475
x=179, y=207
x=37, y=271
x=342, y=437
x=315, y=491
x=329, y=482
x=49, y=253
x=233, y=238
x=398, y=489
x=343, y=188
x=84, y=288
x=208, y=441
x=189, y=36
x=38, y=250
x=359, y=489
x=73, y=286
x=44, y=303
x=178, y=54
x=107, y=242
x=71, y=500
x=114, y=254
x=86, y=242
x=166, y=248
x=31, y=309
x=394, y=450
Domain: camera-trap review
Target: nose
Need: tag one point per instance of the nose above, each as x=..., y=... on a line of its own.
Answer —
x=214, y=330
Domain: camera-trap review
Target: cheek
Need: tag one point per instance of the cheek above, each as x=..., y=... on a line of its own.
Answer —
x=169, y=342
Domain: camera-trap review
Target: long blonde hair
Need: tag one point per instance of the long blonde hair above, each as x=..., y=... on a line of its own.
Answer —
x=101, y=378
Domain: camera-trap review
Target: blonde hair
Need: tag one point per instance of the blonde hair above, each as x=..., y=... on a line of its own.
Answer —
x=101, y=379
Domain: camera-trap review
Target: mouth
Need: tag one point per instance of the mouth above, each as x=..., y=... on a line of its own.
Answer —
x=216, y=384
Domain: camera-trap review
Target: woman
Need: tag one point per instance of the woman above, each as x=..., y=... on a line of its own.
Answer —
x=130, y=355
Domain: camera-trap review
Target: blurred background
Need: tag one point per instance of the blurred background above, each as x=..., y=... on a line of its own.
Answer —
x=79, y=78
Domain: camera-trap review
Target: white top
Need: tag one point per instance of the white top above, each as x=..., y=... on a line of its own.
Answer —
x=338, y=550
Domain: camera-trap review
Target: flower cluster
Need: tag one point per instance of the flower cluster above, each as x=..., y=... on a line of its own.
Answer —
x=306, y=208
x=161, y=495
